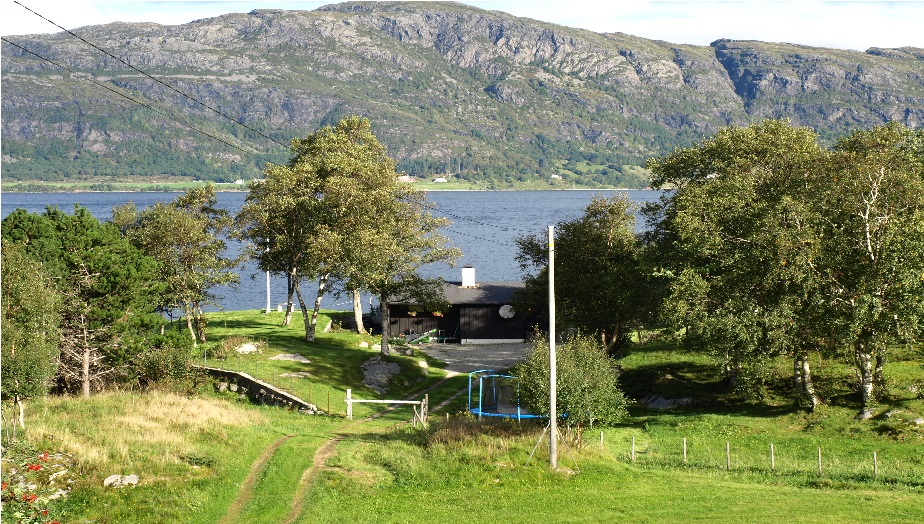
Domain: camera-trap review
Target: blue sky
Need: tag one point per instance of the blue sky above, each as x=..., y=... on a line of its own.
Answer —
x=845, y=25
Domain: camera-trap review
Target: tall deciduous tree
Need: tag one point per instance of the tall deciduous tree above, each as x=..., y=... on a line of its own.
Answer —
x=597, y=274
x=31, y=328
x=872, y=200
x=738, y=239
x=186, y=237
x=337, y=212
x=384, y=257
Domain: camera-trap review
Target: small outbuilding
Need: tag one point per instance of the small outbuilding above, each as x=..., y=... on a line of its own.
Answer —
x=479, y=313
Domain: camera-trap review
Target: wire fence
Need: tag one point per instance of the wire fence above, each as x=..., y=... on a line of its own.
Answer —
x=784, y=458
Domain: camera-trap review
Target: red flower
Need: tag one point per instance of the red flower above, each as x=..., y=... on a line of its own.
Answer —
x=35, y=467
x=44, y=512
x=4, y=485
x=43, y=456
x=29, y=497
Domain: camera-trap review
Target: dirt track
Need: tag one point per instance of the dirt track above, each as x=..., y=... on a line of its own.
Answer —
x=462, y=358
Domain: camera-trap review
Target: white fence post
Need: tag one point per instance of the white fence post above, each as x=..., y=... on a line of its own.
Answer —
x=349, y=403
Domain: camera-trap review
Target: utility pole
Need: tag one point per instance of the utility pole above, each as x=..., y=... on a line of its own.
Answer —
x=553, y=393
x=267, y=285
x=267, y=293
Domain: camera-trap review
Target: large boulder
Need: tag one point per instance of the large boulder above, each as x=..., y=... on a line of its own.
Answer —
x=378, y=374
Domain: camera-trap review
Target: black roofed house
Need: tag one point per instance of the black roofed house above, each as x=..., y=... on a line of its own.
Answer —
x=479, y=313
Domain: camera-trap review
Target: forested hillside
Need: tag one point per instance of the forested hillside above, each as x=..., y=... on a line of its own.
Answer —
x=452, y=89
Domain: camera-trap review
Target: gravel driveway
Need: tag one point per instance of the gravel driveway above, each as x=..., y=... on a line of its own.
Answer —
x=463, y=358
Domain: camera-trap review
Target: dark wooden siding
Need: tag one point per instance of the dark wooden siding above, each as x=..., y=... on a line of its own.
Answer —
x=460, y=322
x=485, y=322
x=404, y=324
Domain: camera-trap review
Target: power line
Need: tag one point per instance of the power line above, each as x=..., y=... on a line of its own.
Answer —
x=123, y=95
x=229, y=118
x=168, y=86
x=476, y=237
x=486, y=224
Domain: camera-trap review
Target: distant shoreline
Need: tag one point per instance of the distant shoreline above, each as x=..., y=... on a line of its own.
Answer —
x=65, y=188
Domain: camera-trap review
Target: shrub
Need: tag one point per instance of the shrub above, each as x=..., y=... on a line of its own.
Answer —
x=587, y=386
x=168, y=358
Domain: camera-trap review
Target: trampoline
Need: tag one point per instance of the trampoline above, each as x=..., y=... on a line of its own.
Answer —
x=497, y=396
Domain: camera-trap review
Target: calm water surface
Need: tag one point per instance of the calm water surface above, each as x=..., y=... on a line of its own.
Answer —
x=485, y=227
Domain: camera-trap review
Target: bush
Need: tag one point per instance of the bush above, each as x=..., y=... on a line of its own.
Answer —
x=168, y=358
x=587, y=386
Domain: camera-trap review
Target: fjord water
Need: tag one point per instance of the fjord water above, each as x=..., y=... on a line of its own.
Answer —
x=485, y=227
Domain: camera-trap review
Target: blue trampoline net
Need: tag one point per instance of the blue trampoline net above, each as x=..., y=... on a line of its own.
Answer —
x=495, y=395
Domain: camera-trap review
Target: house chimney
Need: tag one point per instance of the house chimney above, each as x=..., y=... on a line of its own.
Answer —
x=468, y=276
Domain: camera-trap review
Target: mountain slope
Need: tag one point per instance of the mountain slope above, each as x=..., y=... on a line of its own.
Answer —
x=448, y=87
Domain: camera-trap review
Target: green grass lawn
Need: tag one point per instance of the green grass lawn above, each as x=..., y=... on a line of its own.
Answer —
x=193, y=448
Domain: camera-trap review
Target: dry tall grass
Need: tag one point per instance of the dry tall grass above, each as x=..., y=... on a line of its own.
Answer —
x=119, y=431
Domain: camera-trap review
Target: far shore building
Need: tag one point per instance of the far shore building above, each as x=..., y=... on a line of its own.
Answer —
x=479, y=313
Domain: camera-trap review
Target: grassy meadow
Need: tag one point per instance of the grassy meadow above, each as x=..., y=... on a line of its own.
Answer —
x=204, y=456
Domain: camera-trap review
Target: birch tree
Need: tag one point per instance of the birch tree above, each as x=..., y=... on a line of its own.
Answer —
x=738, y=241
x=186, y=237
x=31, y=328
x=598, y=277
x=337, y=213
x=873, y=203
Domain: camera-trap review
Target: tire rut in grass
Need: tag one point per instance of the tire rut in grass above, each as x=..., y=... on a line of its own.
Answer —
x=325, y=452
x=328, y=450
x=245, y=493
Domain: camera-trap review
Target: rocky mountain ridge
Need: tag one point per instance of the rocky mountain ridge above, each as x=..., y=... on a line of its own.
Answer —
x=449, y=88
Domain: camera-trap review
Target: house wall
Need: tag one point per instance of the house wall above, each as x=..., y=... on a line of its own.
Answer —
x=484, y=322
x=404, y=324
x=468, y=324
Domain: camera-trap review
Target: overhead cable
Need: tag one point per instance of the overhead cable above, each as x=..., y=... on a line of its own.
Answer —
x=123, y=95
x=161, y=82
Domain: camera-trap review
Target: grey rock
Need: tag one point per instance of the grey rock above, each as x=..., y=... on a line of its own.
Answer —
x=291, y=357
x=120, y=481
x=655, y=401
x=247, y=349
x=378, y=373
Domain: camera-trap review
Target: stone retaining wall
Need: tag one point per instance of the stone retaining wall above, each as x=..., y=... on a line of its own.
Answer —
x=257, y=390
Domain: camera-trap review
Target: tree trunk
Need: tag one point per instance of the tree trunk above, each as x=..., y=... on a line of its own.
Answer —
x=808, y=388
x=291, y=286
x=614, y=339
x=85, y=370
x=200, y=322
x=311, y=324
x=732, y=369
x=878, y=379
x=864, y=359
x=192, y=330
x=358, y=312
x=305, y=318
x=386, y=321
x=22, y=413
